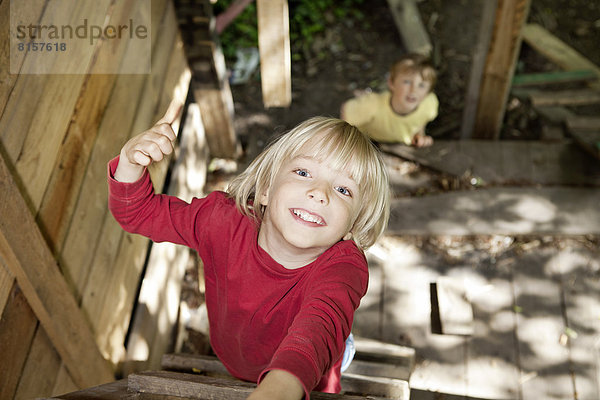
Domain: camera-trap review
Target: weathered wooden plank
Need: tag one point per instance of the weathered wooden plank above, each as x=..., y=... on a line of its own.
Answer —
x=63, y=187
x=555, y=115
x=30, y=13
x=193, y=362
x=203, y=387
x=544, y=362
x=492, y=358
x=131, y=100
x=456, y=312
x=17, y=328
x=211, y=84
x=41, y=368
x=367, y=318
x=511, y=15
x=6, y=283
x=581, y=290
x=116, y=268
x=275, y=55
x=410, y=26
x=486, y=25
x=583, y=123
x=590, y=141
x=373, y=378
x=554, y=77
x=499, y=210
x=378, y=369
x=27, y=256
x=109, y=391
x=368, y=349
x=505, y=162
x=64, y=383
x=53, y=113
x=375, y=386
x=565, y=97
x=558, y=51
x=216, y=108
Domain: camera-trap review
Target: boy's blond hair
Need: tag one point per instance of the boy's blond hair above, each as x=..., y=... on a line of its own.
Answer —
x=351, y=150
x=413, y=62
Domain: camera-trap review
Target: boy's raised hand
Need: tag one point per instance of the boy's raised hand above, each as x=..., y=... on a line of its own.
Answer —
x=148, y=147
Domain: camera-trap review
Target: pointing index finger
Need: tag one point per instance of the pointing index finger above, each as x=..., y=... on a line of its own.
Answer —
x=172, y=112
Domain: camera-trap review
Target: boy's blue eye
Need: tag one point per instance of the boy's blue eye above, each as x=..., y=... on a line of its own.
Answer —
x=343, y=191
x=302, y=172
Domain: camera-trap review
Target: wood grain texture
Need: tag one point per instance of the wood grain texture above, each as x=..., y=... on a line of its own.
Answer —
x=17, y=328
x=26, y=255
x=500, y=65
x=275, y=54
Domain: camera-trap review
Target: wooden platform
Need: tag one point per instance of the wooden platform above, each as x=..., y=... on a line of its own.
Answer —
x=535, y=316
x=507, y=162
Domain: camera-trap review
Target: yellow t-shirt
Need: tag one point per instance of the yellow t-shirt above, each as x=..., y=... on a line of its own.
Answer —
x=373, y=115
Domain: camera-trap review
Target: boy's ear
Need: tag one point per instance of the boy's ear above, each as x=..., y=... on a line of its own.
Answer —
x=390, y=83
x=264, y=198
x=347, y=236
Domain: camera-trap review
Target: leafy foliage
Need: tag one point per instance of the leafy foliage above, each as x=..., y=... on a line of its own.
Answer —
x=308, y=20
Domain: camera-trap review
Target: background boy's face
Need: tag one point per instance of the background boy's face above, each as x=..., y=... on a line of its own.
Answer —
x=408, y=90
x=310, y=207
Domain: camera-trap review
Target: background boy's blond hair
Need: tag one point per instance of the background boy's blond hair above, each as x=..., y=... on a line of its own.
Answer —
x=414, y=62
x=352, y=151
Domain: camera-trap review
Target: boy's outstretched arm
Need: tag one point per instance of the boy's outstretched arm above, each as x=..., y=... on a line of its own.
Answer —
x=147, y=147
x=278, y=385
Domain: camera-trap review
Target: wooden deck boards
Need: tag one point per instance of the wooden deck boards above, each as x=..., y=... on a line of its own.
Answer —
x=536, y=319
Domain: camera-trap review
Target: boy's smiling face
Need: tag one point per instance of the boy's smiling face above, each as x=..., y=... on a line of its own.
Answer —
x=408, y=90
x=309, y=207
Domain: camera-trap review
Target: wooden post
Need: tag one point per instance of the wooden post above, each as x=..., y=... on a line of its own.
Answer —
x=486, y=26
x=26, y=255
x=211, y=88
x=408, y=21
x=274, y=48
x=500, y=65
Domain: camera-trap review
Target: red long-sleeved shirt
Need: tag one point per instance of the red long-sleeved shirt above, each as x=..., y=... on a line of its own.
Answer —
x=262, y=316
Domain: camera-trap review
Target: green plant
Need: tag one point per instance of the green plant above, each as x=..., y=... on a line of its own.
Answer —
x=308, y=20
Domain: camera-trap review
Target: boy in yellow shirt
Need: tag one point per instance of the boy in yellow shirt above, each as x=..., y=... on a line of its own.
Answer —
x=400, y=114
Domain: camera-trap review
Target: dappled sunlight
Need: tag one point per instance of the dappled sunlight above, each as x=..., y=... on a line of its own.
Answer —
x=482, y=383
x=532, y=208
x=537, y=333
x=502, y=321
x=535, y=304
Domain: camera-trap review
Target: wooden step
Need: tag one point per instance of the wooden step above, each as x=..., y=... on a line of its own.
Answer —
x=363, y=377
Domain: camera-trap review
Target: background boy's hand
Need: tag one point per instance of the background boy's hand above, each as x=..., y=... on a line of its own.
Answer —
x=422, y=140
x=148, y=147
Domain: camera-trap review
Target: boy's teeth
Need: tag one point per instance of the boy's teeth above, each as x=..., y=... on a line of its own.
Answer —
x=308, y=217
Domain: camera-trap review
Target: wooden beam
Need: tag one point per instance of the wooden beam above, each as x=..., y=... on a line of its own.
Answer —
x=565, y=97
x=362, y=377
x=26, y=255
x=408, y=21
x=275, y=54
x=17, y=329
x=500, y=66
x=558, y=51
x=192, y=386
x=550, y=78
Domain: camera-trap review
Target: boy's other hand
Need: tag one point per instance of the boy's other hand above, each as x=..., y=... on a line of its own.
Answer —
x=148, y=147
x=422, y=141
